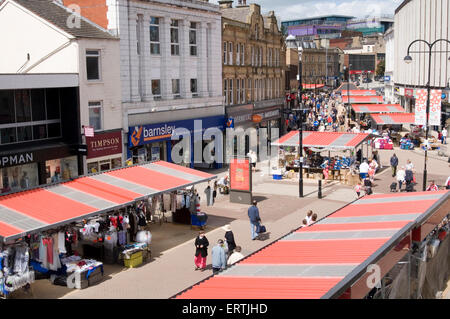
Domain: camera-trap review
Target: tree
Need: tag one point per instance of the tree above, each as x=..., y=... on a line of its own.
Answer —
x=380, y=68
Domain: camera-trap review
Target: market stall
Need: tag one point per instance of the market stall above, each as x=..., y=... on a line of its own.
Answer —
x=359, y=92
x=356, y=99
x=340, y=166
x=67, y=231
x=391, y=122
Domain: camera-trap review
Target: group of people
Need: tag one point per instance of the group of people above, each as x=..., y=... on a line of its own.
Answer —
x=310, y=219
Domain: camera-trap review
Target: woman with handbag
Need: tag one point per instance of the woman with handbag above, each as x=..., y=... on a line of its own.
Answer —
x=201, y=251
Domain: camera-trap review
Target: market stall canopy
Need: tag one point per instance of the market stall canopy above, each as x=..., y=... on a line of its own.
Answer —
x=312, y=86
x=394, y=118
x=329, y=257
x=377, y=108
x=327, y=140
x=48, y=207
x=362, y=99
x=359, y=92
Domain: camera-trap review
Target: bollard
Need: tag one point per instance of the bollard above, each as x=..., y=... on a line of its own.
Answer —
x=319, y=194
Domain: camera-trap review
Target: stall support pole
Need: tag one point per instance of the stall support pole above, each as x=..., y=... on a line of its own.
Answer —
x=300, y=128
x=319, y=193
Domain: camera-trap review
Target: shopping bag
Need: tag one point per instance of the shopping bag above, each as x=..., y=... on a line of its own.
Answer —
x=261, y=229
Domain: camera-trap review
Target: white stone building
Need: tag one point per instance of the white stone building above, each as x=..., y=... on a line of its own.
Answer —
x=58, y=73
x=389, y=79
x=171, y=71
x=426, y=20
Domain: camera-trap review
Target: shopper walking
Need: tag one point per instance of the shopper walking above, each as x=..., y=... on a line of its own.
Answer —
x=253, y=215
x=236, y=256
x=201, y=251
x=394, y=164
x=219, y=260
x=229, y=237
x=444, y=136
x=363, y=169
x=401, y=174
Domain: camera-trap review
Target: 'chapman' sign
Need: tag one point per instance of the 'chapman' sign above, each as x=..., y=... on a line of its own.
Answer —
x=16, y=159
x=104, y=144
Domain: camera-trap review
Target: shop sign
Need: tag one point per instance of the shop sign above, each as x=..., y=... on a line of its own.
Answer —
x=230, y=123
x=104, y=144
x=145, y=134
x=16, y=159
x=409, y=93
x=256, y=118
x=387, y=78
x=269, y=114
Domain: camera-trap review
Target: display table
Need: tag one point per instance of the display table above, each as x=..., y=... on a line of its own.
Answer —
x=82, y=273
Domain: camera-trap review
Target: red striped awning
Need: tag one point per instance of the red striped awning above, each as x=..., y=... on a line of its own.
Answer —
x=359, y=92
x=331, y=140
x=47, y=207
x=307, y=86
x=362, y=99
x=328, y=256
x=378, y=108
x=394, y=118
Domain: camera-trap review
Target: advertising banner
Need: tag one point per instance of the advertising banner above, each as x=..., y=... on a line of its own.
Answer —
x=435, y=107
x=421, y=107
x=104, y=144
x=240, y=178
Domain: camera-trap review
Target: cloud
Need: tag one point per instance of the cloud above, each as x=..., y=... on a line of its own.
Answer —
x=297, y=9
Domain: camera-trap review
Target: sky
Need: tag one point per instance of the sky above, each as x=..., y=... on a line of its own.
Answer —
x=297, y=9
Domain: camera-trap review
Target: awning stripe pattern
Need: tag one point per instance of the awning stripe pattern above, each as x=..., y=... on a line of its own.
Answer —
x=309, y=262
x=359, y=92
x=42, y=208
x=336, y=140
x=362, y=99
x=378, y=108
x=394, y=118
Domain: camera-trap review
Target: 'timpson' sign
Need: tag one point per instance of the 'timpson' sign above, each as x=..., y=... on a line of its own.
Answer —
x=16, y=159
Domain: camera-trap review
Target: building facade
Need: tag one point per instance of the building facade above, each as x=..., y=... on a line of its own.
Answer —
x=389, y=78
x=170, y=60
x=58, y=80
x=254, y=59
x=426, y=20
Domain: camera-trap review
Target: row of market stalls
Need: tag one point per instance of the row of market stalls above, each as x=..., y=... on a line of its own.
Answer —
x=342, y=149
x=402, y=238
x=66, y=231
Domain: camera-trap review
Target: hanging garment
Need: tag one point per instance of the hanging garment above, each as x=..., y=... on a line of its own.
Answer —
x=122, y=237
x=62, y=243
x=126, y=222
x=48, y=243
x=166, y=201
x=188, y=201
x=68, y=239
x=110, y=240
x=21, y=260
x=173, y=202
x=56, y=263
x=180, y=201
x=141, y=220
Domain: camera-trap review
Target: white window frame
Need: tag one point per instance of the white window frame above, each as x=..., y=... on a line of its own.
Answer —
x=238, y=53
x=250, y=84
x=243, y=99
x=230, y=91
x=175, y=45
x=176, y=95
x=158, y=43
x=230, y=53
x=260, y=56
x=269, y=57
x=94, y=105
x=242, y=54
x=253, y=55
x=193, y=45
x=99, y=64
x=225, y=52
x=225, y=90
x=156, y=96
x=194, y=94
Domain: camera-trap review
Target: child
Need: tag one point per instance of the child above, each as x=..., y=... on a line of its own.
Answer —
x=308, y=216
x=358, y=189
x=304, y=223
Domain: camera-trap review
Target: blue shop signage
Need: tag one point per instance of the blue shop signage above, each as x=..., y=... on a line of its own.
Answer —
x=145, y=134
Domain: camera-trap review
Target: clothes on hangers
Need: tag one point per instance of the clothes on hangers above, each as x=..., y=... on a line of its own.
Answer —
x=62, y=242
x=21, y=259
x=166, y=201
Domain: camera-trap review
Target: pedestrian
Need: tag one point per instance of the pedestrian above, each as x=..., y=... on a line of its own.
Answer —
x=253, y=214
x=313, y=219
x=368, y=186
x=218, y=257
x=409, y=174
x=304, y=223
x=201, y=251
x=216, y=186
x=432, y=187
x=447, y=183
x=236, y=256
x=229, y=237
x=308, y=216
x=444, y=135
x=358, y=189
x=394, y=164
x=401, y=174
x=363, y=169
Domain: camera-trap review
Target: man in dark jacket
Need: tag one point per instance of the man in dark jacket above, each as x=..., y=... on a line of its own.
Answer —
x=201, y=251
x=394, y=164
x=253, y=215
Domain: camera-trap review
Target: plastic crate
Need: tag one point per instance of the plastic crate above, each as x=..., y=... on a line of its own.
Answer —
x=135, y=260
x=278, y=177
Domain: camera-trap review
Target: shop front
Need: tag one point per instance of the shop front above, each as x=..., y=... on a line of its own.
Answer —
x=239, y=117
x=20, y=170
x=104, y=151
x=154, y=142
x=268, y=118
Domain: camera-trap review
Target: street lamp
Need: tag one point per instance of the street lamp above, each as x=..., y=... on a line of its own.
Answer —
x=408, y=59
x=300, y=126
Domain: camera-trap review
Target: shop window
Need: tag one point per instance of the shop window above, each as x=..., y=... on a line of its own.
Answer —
x=95, y=115
x=8, y=135
x=116, y=162
x=54, y=130
x=156, y=89
x=39, y=132
x=176, y=88
x=61, y=169
x=19, y=177
x=93, y=65
x=7, y=111
x=174, y=40
x=154, y=36
x=92, y=167
x=193, y=38
x=52, y=104
x=24, y=133
x=23, y=106
x=105, y=165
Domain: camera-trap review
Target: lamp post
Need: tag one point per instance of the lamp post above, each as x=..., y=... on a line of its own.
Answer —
x=300, y=126
x=408, y=59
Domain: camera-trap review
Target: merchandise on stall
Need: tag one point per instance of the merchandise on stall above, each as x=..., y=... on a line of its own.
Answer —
x=384, y=143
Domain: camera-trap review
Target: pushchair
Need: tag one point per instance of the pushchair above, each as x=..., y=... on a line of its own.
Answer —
x=393, y=187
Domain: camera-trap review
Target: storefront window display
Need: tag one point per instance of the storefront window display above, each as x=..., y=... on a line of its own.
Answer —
x=104, y=165
x=61, y=169
x=19, y=177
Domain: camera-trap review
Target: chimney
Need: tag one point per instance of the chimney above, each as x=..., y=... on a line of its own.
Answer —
x=225, y=4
